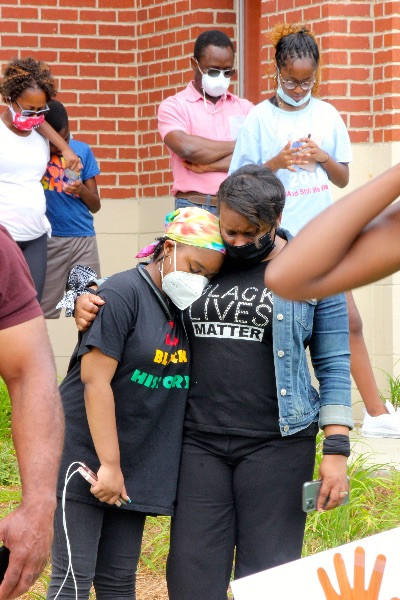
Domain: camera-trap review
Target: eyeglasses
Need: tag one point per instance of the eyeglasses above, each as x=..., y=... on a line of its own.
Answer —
x=31, y=113
x=216, y=72
x=292, y=85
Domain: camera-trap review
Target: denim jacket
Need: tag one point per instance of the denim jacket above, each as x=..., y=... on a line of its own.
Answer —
x=323, y=327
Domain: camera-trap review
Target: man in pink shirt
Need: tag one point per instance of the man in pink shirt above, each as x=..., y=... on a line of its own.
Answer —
x=199, y=125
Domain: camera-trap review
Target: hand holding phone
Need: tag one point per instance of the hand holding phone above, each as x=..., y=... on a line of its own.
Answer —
x=92, y=479
x=4, y=558
x=311, y=492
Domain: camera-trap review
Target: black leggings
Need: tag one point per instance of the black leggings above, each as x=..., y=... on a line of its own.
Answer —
x=236, y=491
x=35, y=253
x=105, y=547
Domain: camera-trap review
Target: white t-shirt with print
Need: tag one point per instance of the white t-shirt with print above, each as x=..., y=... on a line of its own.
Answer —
x=23, y=161
x=267, y=129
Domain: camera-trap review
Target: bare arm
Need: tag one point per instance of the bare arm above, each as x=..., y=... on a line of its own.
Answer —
x=196, y=149
x=337, y=172
x=27, y=366
x=350, y=244
x=221, y=165
x=72, y=161
x=87, y=192
x=97, y=371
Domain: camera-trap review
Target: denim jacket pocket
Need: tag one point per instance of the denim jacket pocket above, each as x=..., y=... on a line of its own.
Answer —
x=304, y=313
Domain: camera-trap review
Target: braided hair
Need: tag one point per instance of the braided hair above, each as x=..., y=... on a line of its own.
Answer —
x=296, y=41
x=23, y=73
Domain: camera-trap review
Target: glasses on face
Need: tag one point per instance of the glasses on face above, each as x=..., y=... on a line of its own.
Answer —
x=31, y=113
x=216, y=72
x=292, y=85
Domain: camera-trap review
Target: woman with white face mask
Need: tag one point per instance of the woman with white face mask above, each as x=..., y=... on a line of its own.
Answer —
x=124, y=400
x=26, y=87
x=304, y=140
x=252, y=414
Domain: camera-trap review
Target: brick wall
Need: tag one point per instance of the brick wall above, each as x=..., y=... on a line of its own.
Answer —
x=89, y=45
x=167, y=31
x=116, y=60
x=360, y=51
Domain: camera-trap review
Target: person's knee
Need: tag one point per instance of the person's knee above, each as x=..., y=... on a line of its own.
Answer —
x=108, y=587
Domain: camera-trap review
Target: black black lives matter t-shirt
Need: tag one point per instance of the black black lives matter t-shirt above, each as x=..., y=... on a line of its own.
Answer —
x=233, y=389
x=150, y=388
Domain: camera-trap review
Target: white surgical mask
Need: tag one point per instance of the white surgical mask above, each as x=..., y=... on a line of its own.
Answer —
x=181, y=287
x=290, y=100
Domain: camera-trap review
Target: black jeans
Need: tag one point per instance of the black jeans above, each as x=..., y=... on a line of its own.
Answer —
x=241, y=492
x=35, y=254
x=105, y=548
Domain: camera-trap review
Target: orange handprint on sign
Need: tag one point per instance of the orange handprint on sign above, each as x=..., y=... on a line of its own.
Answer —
x=358, y=591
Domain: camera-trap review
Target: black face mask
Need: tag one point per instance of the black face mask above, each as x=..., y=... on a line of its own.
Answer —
x=250, y=254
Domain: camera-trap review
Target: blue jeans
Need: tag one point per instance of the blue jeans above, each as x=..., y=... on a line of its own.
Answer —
x=183, y=203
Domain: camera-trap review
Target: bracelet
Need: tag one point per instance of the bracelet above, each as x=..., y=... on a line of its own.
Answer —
x=322, y=162
x=336, y=443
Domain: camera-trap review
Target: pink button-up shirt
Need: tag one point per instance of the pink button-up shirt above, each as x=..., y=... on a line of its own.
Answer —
x=185, y=111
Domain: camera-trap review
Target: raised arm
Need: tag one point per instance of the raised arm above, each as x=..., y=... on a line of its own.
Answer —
x=350, y=244
x=27, y=366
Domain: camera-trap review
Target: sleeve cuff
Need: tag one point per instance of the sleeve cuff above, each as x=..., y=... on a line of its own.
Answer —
x=336, y=414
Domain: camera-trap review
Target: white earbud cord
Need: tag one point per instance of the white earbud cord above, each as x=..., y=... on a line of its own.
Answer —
x=70, y=567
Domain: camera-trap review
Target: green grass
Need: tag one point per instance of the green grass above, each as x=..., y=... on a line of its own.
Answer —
x=374, y=502
x=393, y=393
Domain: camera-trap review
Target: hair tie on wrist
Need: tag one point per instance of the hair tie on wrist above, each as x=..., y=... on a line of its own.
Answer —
x=322, y=162
x=336, y=443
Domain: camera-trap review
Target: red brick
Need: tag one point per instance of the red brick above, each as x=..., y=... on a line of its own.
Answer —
x=111, y=85
x=78, y=29
x=19, y=40
x=97, y=43
x=95, y=15
x=360, y=137
x=19, y=13
x=361, y=26
x=387, y=24
x=36, y=27
x=77, y=57
x=115, y=57
x=97, y=71
x=59, y=14
x=358, y=121
x=361, y=89
x=346, y=9
x=58, y=41
x=96, y=98
x=79, y=84
x=64, y=70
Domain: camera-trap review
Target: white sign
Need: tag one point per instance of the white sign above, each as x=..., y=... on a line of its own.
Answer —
x=342, y=573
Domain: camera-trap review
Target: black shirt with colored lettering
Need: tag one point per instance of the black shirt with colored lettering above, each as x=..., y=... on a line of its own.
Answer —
x=233, y=388
x=146, y=336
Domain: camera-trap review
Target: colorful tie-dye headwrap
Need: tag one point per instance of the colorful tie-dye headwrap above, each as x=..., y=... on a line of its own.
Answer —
x=193, y=226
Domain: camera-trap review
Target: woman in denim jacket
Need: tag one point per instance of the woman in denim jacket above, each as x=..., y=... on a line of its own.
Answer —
x=252, y=414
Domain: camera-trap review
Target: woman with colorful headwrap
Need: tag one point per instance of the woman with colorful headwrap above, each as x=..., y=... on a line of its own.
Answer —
x=252, y=414
x=124, y=399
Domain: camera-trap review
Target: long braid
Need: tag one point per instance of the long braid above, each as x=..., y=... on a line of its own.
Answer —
x=296, y=41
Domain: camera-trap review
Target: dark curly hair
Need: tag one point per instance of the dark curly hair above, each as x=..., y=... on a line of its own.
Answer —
x=254, y=192
x=23, y=73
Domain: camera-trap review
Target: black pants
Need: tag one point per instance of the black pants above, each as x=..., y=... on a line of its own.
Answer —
x=35, y=254
x=236, y=491
x=105, y=548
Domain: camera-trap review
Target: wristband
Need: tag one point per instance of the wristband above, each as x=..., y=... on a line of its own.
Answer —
x=322, y=162
x=336, y=443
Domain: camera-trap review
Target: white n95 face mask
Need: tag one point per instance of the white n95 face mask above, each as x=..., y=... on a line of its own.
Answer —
x=181, y=287
x=215, y=86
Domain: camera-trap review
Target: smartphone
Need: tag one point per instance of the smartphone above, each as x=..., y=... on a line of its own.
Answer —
x=311, y=492
x=92, y=479
x=4, y=557
x=88, y=474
